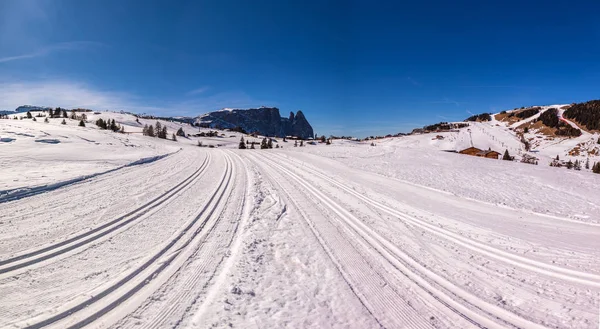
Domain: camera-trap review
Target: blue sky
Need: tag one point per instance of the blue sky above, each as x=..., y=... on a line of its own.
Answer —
x=353, y=67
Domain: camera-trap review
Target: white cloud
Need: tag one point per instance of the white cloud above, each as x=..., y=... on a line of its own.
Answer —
x=66, y=94
x=71, y=94
x=63, y=46
x=198, y=90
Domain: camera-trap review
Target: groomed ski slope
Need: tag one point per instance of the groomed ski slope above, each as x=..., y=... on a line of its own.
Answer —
x=341, y=236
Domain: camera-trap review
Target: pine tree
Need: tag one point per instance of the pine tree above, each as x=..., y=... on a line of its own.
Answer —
x=570, y=164
x=173, y=137
x=163, y=133
x=270, y=143
x=295, y=143
x=145, y=130
x=64, y=113
x=150, y=131
x=577, y=165
x=180, y=132
x=301, y=143
x=596, y=168
x=252, y=145
x=587, y=163
x=506, y=156
x=158, y=129
x=557, y=158
x=34, y=119
x=242, y=144
x=81, y=123
x=64, y=122
x=113, y=126
x=263, y=144
x=57, y=112
x=328, y=141
x=322, y=138
x=29, y=116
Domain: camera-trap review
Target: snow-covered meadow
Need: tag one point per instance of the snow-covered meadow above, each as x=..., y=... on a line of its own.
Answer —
x=127, y=231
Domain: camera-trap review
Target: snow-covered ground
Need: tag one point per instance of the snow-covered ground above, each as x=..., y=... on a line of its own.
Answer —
x=396, y=235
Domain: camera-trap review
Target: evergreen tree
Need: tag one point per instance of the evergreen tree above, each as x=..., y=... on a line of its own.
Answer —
x=506, y=156
x=263, y=144
x=328, y=141
x=34, y=119
x=29, y=116
x=277, y=146
x=173, y=137
x=46, y=120
x=81, y=123
x=180, y=132
x=158, y=129
x=286, y=140
x=150, y=131
x=252, y=145
x=577, y=165
x=163, y=132
x=295, y=143
x=596, y=168
x=145, y=130
x=570, y=164
x=270, y=143
x=57, y=112
x=113, y=126
x=557, y=158
x=64, y=113
x=322, y=138
x=301, y=143
x=242, y=144
x=587, y=163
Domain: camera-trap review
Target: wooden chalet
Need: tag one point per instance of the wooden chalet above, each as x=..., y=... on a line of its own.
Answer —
x=473, y=151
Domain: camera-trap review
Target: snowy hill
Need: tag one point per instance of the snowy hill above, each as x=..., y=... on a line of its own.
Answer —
x=523, y=132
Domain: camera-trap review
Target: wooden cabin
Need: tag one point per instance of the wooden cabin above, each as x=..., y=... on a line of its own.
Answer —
x=473, y=151
x=488, y=154
x=470, y=151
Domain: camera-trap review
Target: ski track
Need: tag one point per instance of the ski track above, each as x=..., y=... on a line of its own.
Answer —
x=493, y=311
x=393, y=258
x=71, y=244
x=85, y=313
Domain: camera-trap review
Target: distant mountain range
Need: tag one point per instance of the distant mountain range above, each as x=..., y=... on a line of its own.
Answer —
x=263, y=120
x=25, y=108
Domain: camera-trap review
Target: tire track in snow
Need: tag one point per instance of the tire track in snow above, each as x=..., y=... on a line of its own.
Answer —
x=136, y=280
x=417, y=272
x=46, y=253
x=557, y=272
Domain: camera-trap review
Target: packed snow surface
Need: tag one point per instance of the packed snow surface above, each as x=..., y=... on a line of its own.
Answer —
x=109, y=230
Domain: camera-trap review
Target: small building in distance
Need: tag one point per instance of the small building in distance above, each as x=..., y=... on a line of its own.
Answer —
x=473, y=151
